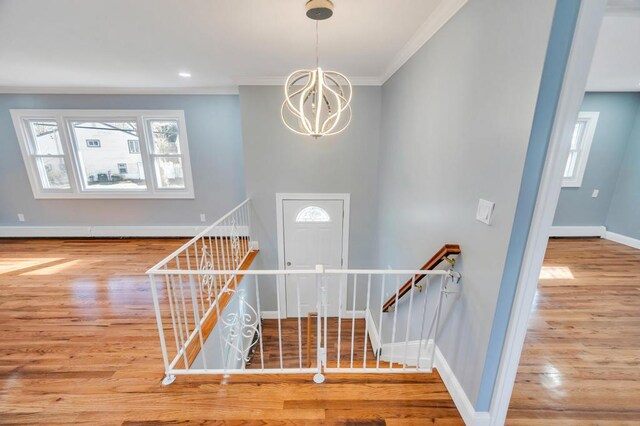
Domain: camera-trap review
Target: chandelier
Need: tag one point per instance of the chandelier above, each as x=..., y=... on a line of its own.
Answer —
x=317, y=102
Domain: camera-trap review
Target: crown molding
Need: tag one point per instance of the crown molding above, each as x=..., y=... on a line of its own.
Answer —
x=440, y=16
x=280, y=81
x=227, y=90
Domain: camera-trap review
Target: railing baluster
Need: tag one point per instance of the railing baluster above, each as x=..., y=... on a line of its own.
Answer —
x=379, y=351
x=196, y=317
x=318, y=324
x=341, y=289
x=184, y=304
x=353, y=316
x=156, y=306
x=223, y=243
x=170, y=298
x=437, y=320
x=395, y=323
x=223, y=354
x=259, y=322
x=424, y=317
x=218, y=266
x=178, y=316
x=299, y=323
x=406, y=337
x=279, y=327
x=366, y=319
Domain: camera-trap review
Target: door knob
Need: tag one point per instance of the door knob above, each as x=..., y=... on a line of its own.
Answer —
x=288, y=263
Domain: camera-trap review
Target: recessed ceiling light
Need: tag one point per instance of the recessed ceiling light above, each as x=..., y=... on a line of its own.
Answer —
x=184, y=74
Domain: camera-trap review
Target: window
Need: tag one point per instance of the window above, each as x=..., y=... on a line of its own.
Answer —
x=581, y=139
x=134, y=146
x=313, y=214
x=143, y=154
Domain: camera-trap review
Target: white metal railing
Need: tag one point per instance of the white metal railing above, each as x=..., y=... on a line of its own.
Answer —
x=223, y=246
x=215, y=317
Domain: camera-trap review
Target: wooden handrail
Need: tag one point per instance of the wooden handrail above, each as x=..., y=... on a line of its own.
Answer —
x=436, y=259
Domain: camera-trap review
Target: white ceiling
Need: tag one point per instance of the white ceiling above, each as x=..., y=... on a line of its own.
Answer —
x=94, y=45
x=616, y=61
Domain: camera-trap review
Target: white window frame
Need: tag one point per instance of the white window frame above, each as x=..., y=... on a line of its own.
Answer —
x=590, y=120
x=79, y=188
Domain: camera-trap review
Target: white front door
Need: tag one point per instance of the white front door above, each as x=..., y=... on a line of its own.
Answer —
x=312, y=236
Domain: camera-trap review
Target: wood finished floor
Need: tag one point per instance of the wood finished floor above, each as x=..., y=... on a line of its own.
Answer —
x=79, y=344
x=581, y=360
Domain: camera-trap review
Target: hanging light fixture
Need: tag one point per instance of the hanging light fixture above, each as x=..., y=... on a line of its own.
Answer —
x=317, y=102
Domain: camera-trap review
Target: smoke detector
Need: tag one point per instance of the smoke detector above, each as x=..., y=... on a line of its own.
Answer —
x=319, y=9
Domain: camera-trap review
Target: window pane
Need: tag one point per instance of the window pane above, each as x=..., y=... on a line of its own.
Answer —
x=166, y=138
x=313, y=214
x=169, y=172
x=53, y=173
x=570, y=168
x=109, y=164
x=46, y=137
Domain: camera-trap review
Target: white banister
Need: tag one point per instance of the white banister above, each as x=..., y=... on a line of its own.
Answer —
x=227, y=302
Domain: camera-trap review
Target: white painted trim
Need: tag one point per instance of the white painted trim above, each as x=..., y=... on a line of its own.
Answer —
x=281, y=80
x=109, y=231
x=269, y=314
x=572, y=93
x=372, y=330
x=436, y=20
x=78, y=187
x=622, y=239
x=591, y=122
x=280, y=197
x=395, y=352
x=460, y=398
x=35, y=90
x=577, y=231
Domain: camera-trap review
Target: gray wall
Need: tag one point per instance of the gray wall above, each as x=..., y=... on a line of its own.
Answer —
x=215, y=145
x=576, y=207
x=456, y=121
x=624, y=213
x=278, y=160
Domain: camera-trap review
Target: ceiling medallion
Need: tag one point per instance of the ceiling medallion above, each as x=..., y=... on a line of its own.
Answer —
x=317, y=102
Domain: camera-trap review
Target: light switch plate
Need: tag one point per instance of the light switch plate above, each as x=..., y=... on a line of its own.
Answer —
x=203, y=217
x=595, y=193
x=485, y=211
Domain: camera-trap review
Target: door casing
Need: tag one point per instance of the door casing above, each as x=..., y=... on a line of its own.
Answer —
x=280, y=197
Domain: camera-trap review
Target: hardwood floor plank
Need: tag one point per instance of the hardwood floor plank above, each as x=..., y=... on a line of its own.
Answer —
x=582, y=351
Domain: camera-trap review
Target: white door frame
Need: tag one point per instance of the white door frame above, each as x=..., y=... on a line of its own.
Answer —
x=569, y=103
x=280, y=197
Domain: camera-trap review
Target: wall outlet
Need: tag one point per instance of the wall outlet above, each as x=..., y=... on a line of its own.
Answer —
x=203, y=217
x=20, y=217
x=595, y=193
x=485, y=211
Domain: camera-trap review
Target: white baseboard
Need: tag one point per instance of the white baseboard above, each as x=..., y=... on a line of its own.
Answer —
x=110, y=231
x=395, y=352
x=470, y=416
x=578, y=231
x=374, y=336
x=346, y=315
x=622, y=239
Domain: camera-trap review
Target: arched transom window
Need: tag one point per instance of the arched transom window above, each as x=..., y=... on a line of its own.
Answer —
x=313, y=214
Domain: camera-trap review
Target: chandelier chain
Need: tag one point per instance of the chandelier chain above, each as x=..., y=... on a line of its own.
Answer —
x=317, y=47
